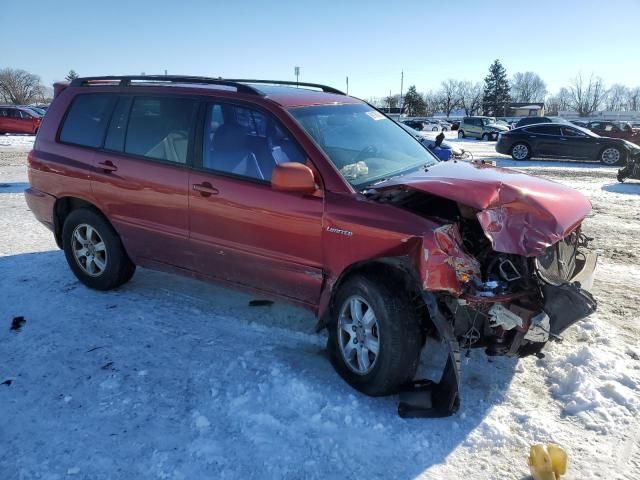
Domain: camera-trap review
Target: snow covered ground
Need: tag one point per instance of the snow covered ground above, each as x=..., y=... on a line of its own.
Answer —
x=176, y=379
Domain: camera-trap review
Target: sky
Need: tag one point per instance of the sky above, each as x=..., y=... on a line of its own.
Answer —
x=371, y=42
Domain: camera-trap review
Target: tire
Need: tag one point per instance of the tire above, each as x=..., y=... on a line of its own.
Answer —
x=611, y=156
x=94, y=251
x=520, y=151
x=397, y=331
x=461, y=134
x=434, y=129
x=445, y=129
x=485, y=137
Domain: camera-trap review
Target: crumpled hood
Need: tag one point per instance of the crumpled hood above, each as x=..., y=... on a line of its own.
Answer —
x=498, y=126
x=519, y=213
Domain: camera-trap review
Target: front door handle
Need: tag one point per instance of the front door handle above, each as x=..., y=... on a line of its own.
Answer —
x=205, y=189
x=107, y=166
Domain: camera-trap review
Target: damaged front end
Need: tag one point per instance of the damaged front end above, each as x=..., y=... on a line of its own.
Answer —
x=507, y=276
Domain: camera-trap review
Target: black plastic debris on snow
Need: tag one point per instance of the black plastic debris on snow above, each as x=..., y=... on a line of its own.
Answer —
x=260, y=303
x=17, y=323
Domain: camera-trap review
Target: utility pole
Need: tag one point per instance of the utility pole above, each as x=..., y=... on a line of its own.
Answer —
x=401, y=85
x=347, y=84
x=296, y=70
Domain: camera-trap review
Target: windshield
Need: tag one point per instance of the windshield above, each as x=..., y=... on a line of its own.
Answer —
x=488, y=120
x=364, y=145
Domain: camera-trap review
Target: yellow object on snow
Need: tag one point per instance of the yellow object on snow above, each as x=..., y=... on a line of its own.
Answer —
x=547, y=462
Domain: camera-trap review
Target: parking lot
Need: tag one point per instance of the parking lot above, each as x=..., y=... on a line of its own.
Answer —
x=168, y=377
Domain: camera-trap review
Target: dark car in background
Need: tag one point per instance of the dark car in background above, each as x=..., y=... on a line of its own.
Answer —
x=523, y=122
x=580, y=123
x=563, y=141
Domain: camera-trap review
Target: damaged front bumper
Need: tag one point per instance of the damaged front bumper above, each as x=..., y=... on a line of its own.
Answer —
x=516, y=324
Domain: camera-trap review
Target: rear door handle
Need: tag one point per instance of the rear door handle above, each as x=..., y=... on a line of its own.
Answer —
x=107, y=166
x=205, y=189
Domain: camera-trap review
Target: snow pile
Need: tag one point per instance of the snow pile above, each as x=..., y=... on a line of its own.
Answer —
x=590, y=379
x=16, y=142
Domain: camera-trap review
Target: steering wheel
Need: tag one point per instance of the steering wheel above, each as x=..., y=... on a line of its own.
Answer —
x=366, y=152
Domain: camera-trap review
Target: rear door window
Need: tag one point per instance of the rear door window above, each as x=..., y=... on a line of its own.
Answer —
x=546, y=129
x=87, y=119
x=159, y=128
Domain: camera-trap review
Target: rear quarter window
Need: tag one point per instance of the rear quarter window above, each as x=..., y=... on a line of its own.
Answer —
x=87, y=119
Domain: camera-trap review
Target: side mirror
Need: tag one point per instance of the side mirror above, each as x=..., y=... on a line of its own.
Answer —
x=293, y=177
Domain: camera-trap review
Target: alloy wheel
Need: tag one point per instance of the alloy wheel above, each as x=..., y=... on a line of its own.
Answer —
x=89, y=250
x=358, y=335
x=520, y=152
x=610, y=156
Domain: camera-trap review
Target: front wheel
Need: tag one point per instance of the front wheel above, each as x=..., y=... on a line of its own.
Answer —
x=485, y=137
x=611, y=156
x=520, y=151
x=434, y=129
x=460, y=134
x=374, y=338
x=94, y=251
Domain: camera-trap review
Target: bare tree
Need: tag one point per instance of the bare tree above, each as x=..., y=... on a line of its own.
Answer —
x=586, y=96
x=19, y=86
x=528, y=87
x=561, y=101
x=634, y=99
x=470, y=97
x=449, y=96
x=433, y=102
x=617, y=98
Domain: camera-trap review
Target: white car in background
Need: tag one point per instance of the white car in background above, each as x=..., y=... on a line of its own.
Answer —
x=422, y=124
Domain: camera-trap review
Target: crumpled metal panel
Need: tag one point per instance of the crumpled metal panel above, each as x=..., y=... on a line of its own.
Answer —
x=519, y=213
x=444, y=264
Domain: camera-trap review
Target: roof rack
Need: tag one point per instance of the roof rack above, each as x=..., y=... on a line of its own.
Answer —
x=239, y=84
x=125, y=81
x=324, y=88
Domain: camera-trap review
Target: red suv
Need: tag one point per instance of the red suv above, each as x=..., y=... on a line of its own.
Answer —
x=15, y=119
x=316, y=198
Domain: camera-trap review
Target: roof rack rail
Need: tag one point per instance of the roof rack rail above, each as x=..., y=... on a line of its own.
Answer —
x=324, y=88
x=126, y=81
x=239, y=84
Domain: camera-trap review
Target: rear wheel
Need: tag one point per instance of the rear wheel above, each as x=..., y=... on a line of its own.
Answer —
x=611, y=156
x=520, y=151
x=460, y=134
x=94, y=251
x=374, y=338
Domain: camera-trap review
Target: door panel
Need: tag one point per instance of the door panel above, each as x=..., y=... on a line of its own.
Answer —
x=579, y=145
x=147, y=202
x=249, y=234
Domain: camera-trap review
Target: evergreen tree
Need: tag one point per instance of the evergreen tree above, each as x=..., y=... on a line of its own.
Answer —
x=414, y=103
x=72, y=75
x=496, y=91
